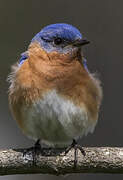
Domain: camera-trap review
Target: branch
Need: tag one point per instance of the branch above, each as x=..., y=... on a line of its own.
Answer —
x=97, y=160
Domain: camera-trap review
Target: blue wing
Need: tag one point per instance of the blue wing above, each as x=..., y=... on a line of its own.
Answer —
x=85, y=64
x=24, y=56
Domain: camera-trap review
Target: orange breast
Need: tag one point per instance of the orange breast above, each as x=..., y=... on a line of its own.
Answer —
x=42, y=72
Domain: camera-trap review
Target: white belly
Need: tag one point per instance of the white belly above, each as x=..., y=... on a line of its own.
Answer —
x=55, y=120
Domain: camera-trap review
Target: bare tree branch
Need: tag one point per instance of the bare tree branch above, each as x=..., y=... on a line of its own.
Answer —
x=97, y=160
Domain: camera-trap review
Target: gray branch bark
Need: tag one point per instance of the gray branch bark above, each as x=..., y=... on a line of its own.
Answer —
x=97, y=160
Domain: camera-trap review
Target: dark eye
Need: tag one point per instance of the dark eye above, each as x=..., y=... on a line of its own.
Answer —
x=58, y=41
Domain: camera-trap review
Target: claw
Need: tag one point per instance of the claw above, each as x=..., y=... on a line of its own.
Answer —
x=34, y=151
x=75, y=146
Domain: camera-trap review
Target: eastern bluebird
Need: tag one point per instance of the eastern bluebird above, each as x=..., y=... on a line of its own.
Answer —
x=52, y=95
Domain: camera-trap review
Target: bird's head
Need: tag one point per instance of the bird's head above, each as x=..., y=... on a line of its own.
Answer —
x=58, y=41
x=60, y=37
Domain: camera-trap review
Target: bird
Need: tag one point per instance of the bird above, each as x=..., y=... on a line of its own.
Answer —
x=52, y=95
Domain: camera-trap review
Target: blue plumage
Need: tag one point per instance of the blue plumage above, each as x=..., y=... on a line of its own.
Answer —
x=59, y=30
x=85, y=64
x=24, y=56
x=67, y=33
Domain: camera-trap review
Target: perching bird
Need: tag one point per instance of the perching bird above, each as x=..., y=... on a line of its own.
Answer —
x=52, y=95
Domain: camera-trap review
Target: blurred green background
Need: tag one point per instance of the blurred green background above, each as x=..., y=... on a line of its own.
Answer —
x=102, y=23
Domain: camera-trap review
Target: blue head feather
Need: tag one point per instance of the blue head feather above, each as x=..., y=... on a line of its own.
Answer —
x=67, y=33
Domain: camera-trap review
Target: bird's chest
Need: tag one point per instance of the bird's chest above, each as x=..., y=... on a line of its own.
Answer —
x=55, y=119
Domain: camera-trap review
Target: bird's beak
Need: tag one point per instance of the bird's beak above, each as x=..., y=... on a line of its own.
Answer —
x=81, y=42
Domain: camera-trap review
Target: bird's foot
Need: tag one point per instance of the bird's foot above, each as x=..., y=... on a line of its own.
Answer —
x=34, y=151
x=76, y=147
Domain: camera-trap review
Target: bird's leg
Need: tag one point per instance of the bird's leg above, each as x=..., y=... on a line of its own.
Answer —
x=34, y=151
x=37, y=146
x=75, y=146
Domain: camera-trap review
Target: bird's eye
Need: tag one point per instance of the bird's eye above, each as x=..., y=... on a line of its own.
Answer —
x=58, y=41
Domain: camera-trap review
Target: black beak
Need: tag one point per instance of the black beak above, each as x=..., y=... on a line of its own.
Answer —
x=81, y=42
